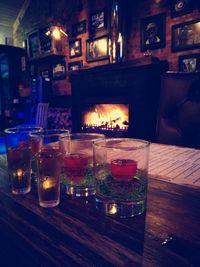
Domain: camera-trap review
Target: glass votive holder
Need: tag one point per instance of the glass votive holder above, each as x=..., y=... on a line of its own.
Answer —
x=19, y=156
x=47, y=139
x=121, y=173
x=49, y=163
x=78, y=163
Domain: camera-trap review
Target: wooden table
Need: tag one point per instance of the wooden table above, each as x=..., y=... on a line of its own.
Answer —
x=76, y=234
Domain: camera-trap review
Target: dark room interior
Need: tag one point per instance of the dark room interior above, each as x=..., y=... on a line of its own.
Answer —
x=126, y=70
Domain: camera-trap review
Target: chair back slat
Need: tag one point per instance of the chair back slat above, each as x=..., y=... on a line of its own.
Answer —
x=42, y=114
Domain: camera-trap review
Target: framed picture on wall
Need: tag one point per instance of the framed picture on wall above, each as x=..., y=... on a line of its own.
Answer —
x=152, y=32
x=59, y=70
x=34, y=44
x=79, y=28
x=98, y=21
x=45, y=40
x=97, y=49
x=181, y=7
x=189, y=63
x=186, y=36
x=76, y=65
x=75, y=48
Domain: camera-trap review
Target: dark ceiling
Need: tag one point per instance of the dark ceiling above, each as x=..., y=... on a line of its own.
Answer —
x=9, y=10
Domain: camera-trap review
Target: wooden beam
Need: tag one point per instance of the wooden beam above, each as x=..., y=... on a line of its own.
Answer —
x=20, y=15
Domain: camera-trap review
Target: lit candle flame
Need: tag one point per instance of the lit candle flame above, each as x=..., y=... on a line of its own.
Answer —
x=19, y=174
x=47, y=183
x=113, y=209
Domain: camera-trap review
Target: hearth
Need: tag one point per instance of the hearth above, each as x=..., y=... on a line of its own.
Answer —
x=117, y=99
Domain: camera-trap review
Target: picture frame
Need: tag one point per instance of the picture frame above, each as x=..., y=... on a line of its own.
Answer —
x=97, y=49
x=45, y=40
x=98, y=21
x=76, y=65
x=45, y=74
x=189, y=63
x=78, y=28
x=34, y=44
x=59, y=70
x=186, y=36
x=152, y=32
x=181, y=7
x=75, y=48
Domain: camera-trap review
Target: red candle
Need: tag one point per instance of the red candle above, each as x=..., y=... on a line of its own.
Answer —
x=123, y=169
x=75, y=166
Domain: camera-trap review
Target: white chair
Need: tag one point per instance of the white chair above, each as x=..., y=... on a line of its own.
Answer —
x=42, y=115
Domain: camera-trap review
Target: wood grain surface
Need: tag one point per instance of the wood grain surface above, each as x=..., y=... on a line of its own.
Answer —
x=76, y=234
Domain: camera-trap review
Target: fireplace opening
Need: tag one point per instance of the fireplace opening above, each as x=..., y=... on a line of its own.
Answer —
x=106, y=118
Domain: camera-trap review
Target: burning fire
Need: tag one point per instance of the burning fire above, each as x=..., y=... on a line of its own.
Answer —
x=108, y=116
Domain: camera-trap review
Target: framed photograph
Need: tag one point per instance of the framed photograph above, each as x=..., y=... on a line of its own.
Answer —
x=45, y=40
x=34, y=44
x=189, y=63
x=181, y=7
x=153, y=32
x=75, y=48
x=79, y=28
x=186, y=36
x=59, y=71
x=97, y=49
x=98, y=21
x=45, y=75
x=76, y=65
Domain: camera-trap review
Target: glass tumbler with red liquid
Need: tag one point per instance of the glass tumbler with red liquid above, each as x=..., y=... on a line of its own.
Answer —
x=78, y=163
x=121, y=173
x=19, y=156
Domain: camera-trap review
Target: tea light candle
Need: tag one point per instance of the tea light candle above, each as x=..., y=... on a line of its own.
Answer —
x=19, y=174
x=47, y=183
x=123, y=169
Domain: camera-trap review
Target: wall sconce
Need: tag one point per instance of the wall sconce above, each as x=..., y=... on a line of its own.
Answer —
x=56, y=32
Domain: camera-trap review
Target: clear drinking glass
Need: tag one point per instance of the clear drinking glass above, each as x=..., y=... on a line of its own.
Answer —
x=44, y=140
x=48, y=165
x=78, y=163
x=121, y=172
x=19, y=156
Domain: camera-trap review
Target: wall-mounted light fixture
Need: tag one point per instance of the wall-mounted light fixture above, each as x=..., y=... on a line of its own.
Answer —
x=56, y=32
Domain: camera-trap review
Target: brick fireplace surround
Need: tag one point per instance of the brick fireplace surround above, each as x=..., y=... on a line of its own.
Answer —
x=137, y=85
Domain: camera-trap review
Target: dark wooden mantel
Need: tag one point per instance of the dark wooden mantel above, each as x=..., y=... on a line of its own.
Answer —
x=136, y=84
x=76, y=234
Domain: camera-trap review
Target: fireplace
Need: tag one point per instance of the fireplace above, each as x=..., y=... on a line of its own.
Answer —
x=117, y=99
x=111, y=119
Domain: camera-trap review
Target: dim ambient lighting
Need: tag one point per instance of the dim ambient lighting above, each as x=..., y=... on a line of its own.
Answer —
x=56, y=32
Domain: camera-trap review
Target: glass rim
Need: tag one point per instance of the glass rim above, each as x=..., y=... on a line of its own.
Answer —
x=50, y=132
x=143, y=143
x=94, y=136
x=49, y=153
x=26, y=129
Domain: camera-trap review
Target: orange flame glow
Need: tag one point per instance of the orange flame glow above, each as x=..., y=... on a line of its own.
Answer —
x=107, y=115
